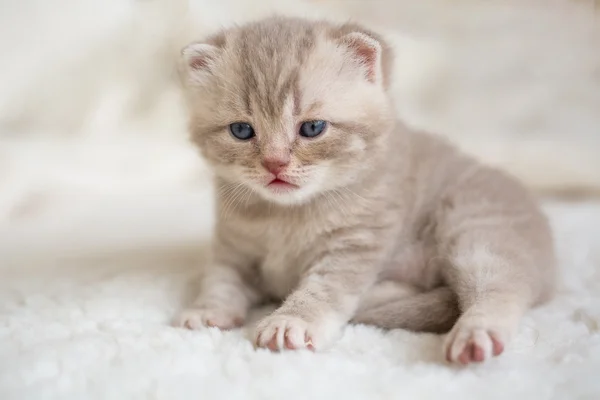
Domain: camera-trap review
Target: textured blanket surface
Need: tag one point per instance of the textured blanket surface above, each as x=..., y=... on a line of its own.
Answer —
x=100, y=328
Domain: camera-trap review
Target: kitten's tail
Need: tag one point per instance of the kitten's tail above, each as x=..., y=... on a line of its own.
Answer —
x=435, y=311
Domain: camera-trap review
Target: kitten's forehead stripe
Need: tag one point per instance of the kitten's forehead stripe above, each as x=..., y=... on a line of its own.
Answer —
x=271, y=56
x=247, y=101
x=297, y=99
x=290, y=90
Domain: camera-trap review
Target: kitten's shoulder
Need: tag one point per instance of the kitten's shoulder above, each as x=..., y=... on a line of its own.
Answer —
x=426, y=150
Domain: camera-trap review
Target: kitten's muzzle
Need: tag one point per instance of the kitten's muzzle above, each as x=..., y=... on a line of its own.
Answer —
x=276, y=165
x=281, y=184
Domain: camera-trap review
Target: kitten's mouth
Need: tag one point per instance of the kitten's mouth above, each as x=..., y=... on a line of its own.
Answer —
x=281, y=184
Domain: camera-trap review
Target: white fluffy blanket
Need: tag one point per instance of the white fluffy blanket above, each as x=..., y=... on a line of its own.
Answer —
x=99, y=329
x=104, y=206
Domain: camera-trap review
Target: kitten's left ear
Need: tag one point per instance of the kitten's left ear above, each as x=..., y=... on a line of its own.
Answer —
x=368, y=51
x=199, y=59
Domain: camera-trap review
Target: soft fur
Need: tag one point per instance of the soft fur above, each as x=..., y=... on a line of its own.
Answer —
x=375, y=202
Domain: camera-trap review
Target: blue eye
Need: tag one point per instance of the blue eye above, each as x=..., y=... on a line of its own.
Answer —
x=312, y=129
x=241, y=130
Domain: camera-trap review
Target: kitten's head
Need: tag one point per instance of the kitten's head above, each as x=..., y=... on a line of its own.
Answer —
x=288, y=107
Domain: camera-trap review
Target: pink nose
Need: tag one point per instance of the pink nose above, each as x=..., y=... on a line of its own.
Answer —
x=275, y=165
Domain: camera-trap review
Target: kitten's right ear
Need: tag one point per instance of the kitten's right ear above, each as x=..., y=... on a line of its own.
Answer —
x=199, y=58
x=367, y=51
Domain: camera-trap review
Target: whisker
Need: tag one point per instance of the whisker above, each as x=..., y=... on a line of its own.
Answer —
x=343, y=205
x=336, y=203
x=236, y=201
x=229, y=200
x=226, y=189
x=348, y=190
x=247, y=196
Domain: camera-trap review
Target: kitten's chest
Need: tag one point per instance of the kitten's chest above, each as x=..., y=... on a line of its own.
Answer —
x=285, y=254
x=287, y=251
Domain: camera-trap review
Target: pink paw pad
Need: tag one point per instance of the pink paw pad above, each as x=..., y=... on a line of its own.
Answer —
x=278, y=333
x=476, y=349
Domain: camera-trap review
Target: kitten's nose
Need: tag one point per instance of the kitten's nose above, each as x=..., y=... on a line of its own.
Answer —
x=275, y=164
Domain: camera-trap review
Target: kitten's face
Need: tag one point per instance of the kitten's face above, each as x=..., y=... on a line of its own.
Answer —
x=288, y=108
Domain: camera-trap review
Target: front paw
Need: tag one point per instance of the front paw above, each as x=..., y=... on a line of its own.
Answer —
x=278, y=332
x=289, y=332
x=197, y=318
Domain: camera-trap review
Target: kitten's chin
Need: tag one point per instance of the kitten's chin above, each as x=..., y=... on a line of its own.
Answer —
x=285, y=194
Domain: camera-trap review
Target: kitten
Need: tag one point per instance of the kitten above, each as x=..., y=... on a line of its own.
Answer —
x=327, y=202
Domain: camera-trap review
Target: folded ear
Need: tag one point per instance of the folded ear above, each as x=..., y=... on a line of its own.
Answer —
x=367, y=51
x=199, y=58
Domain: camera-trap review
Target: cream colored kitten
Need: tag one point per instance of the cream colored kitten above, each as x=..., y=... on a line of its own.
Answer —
x=328, y=203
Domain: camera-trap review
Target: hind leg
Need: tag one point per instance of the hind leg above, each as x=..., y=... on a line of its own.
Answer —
x=393, y=305
x=499, y=256
x=493, y=275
